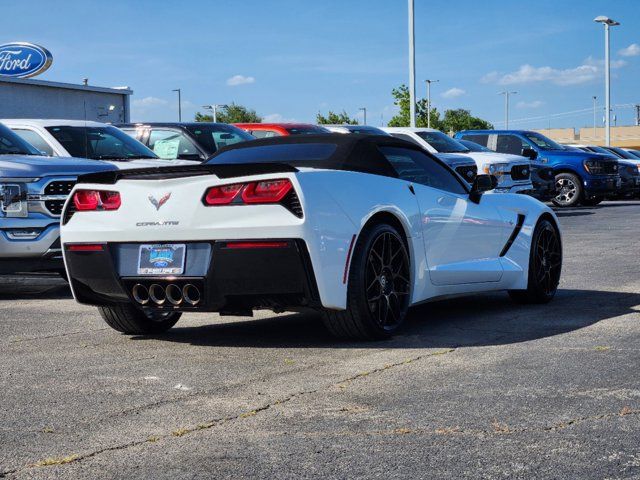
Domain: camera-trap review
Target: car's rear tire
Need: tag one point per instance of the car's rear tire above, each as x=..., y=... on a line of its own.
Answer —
x=379, y=287
x=133, y=321
x=592, y=202
x=545, y=265
x=569, y=190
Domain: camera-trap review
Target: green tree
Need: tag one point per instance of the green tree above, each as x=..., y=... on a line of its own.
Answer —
x=232, y=113
x=402, y=118
x=460, y=119
x=333, y=118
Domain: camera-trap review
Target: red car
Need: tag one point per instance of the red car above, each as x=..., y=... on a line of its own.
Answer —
x=264, y=130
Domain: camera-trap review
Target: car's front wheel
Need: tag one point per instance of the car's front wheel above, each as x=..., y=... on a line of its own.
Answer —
x=545, y=265
x=133, y=321
x=379, y=287
x=568, y=190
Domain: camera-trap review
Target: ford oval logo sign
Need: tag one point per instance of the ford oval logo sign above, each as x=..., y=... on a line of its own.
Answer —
x=23, y=60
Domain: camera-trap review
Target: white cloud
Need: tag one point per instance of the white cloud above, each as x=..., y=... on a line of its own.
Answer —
x=588, y=71
x=534, y=104
x=453, y=93
x=239, y=80
x=632, y=50
x=149, y=102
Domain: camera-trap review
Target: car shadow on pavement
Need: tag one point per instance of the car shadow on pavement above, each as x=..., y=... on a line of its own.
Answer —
x=470, y=321
x=30, y=287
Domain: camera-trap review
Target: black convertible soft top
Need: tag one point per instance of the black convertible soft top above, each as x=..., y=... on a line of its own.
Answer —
x=351, y=152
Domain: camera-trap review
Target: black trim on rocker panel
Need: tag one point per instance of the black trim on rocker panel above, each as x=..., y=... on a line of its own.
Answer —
x=513, y=236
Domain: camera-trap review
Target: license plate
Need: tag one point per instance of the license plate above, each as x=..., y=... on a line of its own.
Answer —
x=163, y=259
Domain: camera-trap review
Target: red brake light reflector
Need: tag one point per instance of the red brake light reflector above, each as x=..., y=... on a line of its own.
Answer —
x=86, y=199
x=267, y=191
x=86, y=247
x=245, y=245
x=222, y=195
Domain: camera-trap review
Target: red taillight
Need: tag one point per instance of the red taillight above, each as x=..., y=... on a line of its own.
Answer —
x=86, y=200
x=222, y=195
x=267, y=191
x=246, y=245
x=86, y=247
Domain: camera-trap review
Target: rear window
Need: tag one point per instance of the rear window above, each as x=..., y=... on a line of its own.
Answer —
x=284, y=153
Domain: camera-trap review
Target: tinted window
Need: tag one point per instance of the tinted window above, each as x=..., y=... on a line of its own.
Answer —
x=310, y=130
x=99, y=143
x=132, y=132
x=415, y=166
x=265, y=133
x=11, y=143
x=212, y=138
x=442, y=142
x=474, y=147
x=285, y=153
x=35, y=139
x=622, y=153
x=480, y=139
x=170, y=145
x=365, y=130
x=510, y=144
x=543, y=142
x=408, y=138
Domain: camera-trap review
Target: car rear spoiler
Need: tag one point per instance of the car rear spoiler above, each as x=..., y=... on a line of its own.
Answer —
x=164, y=173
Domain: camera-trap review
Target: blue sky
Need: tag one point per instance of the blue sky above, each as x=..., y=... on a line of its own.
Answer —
x=290, y=59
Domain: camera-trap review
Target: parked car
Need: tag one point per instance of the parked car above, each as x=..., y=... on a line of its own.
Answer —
x=186, y=140
x=361, y=129
x=635, y=153
x=513, y=173
x=91, y=140
x=33, y=189
x=581, y=177
x=358, y=228
x=542, y=177
x=628, y=169
x=266, y=130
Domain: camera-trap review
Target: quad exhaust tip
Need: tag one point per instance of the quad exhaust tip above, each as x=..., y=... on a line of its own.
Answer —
x=172, y=293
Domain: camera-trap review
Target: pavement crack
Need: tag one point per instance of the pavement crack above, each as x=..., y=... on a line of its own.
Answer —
x=78, y=457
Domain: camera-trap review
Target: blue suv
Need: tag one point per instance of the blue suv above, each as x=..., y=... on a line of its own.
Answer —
x=581, y=177
x=33, y=189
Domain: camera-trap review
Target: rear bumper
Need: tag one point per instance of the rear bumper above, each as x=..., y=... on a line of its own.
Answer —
x=30, y=248
x=230, y=280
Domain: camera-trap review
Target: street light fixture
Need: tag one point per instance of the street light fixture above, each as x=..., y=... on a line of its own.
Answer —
x=214, y=109
x=607, y=22
x=429, y=82
x=506, y=94
x=179, y=103
x=364, y=109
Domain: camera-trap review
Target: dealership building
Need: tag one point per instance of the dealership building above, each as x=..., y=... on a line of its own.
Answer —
x=29, y=98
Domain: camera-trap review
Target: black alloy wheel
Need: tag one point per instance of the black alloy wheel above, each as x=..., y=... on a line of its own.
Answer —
x=545, y=265
x=387, y=280
x=378, y=289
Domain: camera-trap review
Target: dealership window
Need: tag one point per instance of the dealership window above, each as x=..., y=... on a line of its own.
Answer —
x=170, y=145
x=35, y=139
x=414, y=166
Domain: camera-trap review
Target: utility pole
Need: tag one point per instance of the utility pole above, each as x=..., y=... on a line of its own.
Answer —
x=412, y=67
x=607, y=22
x=637, y=107
x=594, y=117
x=506, y=94
x=429, y=82
x=364, y=109
x=179, y=103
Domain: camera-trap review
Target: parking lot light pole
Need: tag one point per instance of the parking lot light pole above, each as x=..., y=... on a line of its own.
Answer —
x=412, y=67
x=179, y=103
x=607, y=22
x=364, y=110
x=214, y=110
x=429, y=82
x=506, y=94
x=594, y=117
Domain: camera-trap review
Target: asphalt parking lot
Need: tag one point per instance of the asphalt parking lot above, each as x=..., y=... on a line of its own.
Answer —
x=478, y=387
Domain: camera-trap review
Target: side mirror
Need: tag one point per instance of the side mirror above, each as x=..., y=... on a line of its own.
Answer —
x=530, y=153
x=482, y=183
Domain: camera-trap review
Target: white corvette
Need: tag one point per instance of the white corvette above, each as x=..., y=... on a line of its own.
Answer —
x=357, y=227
